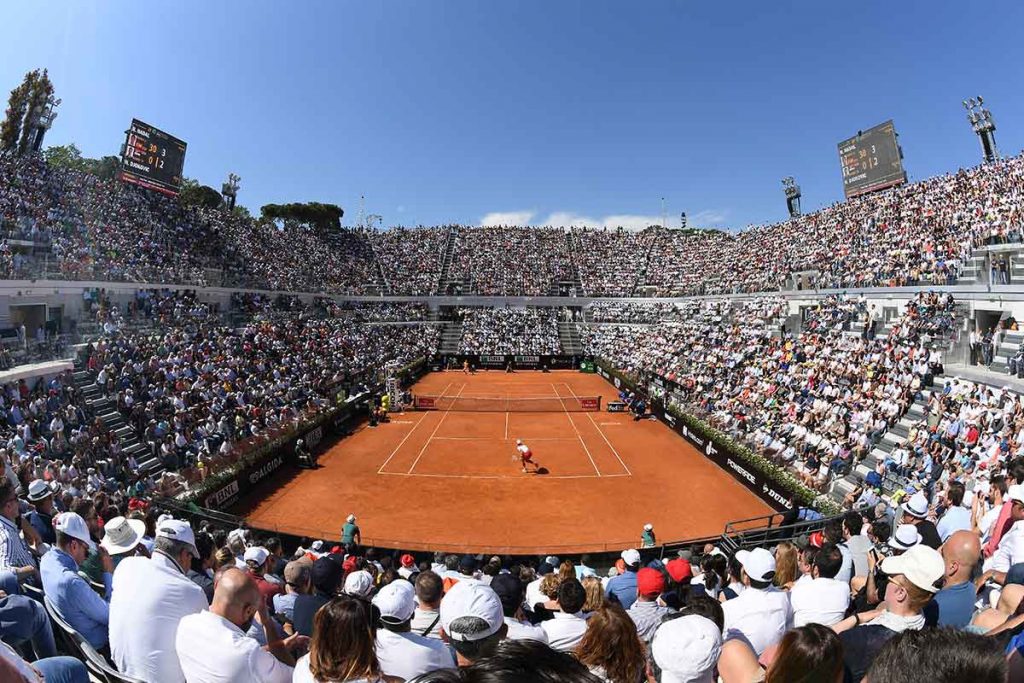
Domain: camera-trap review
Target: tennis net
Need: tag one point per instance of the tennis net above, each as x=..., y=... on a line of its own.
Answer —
x=510, y=404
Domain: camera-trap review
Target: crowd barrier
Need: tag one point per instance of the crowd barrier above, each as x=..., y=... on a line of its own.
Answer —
x=503, y=361
x=715, y=450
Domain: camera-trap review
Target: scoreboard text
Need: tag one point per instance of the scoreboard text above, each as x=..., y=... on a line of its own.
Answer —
x=871, y=161
x=152, y=158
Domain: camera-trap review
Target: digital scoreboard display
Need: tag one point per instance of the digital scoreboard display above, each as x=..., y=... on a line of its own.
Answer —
x=152, y=158
x=871, y=161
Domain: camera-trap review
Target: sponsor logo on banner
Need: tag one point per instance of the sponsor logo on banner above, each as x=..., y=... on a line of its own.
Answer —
x=223, y=496
x=711, y=450
x=671, y=420
x=775, y=495
x=314, y=436
x=617, y=383
x=601, y=372
x=616, y=407
x=492, y=360
x=589, y=403
x=265, y=470
x=530, y=360
x=740, y=471
x=425, y=402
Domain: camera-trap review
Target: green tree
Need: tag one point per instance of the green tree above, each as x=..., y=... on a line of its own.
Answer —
x=194, y=194
x=10, y=129
x=41, y=89
x=311, y=214
x=65, y=156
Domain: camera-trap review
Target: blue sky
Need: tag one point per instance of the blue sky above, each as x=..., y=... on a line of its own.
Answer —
x=450, y=111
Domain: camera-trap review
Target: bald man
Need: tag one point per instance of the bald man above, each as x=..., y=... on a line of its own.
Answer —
x=954, y=604
x=212, y=646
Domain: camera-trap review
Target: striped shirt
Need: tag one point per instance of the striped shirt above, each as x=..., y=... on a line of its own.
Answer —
x=14, y=553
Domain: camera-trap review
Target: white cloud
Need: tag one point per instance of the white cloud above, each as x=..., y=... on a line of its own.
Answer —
x=708, y=218
x=507, y=218
x=627, y=221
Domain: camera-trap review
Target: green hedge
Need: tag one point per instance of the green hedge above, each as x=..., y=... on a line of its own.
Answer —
x=780, y=475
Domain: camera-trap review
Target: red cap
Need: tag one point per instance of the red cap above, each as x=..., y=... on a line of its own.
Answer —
x=336, y=550
x=650, y=582
x=408, y=560
x=349, y=564
x=679, y=569
x=817, y=539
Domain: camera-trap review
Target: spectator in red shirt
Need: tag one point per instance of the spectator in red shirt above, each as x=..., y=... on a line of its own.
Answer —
x=257, y=559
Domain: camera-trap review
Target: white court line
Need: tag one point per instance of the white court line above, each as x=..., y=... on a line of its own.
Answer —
x=491, y=438
x=431, y=437
x=380, y=470
x=506, y=425
x=580, y=436
x=502, y=476
x=601, y=432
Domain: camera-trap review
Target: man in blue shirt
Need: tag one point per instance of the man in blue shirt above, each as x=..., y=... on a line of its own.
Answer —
x=956, y=517
x=954, y=604
x=623, y=586
x=71, y=595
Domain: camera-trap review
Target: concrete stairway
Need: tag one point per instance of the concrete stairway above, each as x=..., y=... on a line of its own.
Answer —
x=1006, y=350
x=973, y=272
x=451, y=338
x=569, y=337
x=105, y=408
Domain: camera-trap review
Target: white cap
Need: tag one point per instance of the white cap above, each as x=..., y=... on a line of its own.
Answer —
x=687, y=649
x=317, y=546
x=471, y=599
x=1015, y=492
x=121, y=534
x=256, y=554
x=917, y=506
x=552, y=560
x=906, y=536
x=359, y=583
x=177, y=530
x=648, y=527
x=350, y=519
x=519, y=442
x=923, y=567
x=758, y=563
x=71, y=524
x=630, y=557
x=396, y=602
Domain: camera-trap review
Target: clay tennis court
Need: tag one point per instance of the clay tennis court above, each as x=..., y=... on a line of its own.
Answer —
x=451, y=480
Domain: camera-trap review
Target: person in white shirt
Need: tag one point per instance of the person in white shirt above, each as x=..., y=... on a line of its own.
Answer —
x=213, y=647
x=150, y=596
x=761, y=614
x=472, y=621
x=1011, y=545
x=427, y=619
x=566, y=630
x=400, y=652
x=822, y=600
x=343, y=644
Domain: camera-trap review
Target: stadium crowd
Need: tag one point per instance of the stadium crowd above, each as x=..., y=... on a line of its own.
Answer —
x=512, y=260
x=498, y=331
x=874, y=593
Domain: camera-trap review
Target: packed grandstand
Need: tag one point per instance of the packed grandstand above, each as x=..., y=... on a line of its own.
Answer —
x=831, y=355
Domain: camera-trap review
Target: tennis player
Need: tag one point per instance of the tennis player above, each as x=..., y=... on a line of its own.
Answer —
x=526, y=456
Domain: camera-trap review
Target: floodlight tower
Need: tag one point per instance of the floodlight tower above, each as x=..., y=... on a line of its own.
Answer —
x=792, y=192
x=984, y=126
x=230, y=190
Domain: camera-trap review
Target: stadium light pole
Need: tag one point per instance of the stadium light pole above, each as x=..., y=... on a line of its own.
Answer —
x=230, y=190
x=984, y=126
x=42, y=121
x=792, y=192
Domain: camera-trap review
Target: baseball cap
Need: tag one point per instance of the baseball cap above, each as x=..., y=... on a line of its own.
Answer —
x=396, y=602
x=38, y=490
x=467, y=563
x=294, y=570
x=905, y=537
x=758, y=563
x=509, y=589
x=923, y=567
x=631, y=557
x=121, y=534
x=178, y=530
x=408, y=561
x=359, y=583
x=326, y=575
x=552, y=560
x=650, y=582
x=471, y=599
x=687, y=649
x=917, y=506
x=71, y=524
x=679, y=569
x=256, y=554
x=1015, y=492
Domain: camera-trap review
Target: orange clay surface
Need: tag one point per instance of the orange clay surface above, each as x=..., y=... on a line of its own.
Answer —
x=437, y=480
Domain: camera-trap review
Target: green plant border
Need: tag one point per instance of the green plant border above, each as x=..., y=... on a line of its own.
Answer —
x=777, y=474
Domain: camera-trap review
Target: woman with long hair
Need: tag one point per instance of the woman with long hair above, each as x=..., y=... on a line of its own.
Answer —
x=786, y=569
x=611, y=648
x=343, y=649
x=595, y=593
x=809, y=654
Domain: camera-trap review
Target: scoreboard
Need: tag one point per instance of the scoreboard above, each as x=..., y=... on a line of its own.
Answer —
x=152, y=158
x=871, y=160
